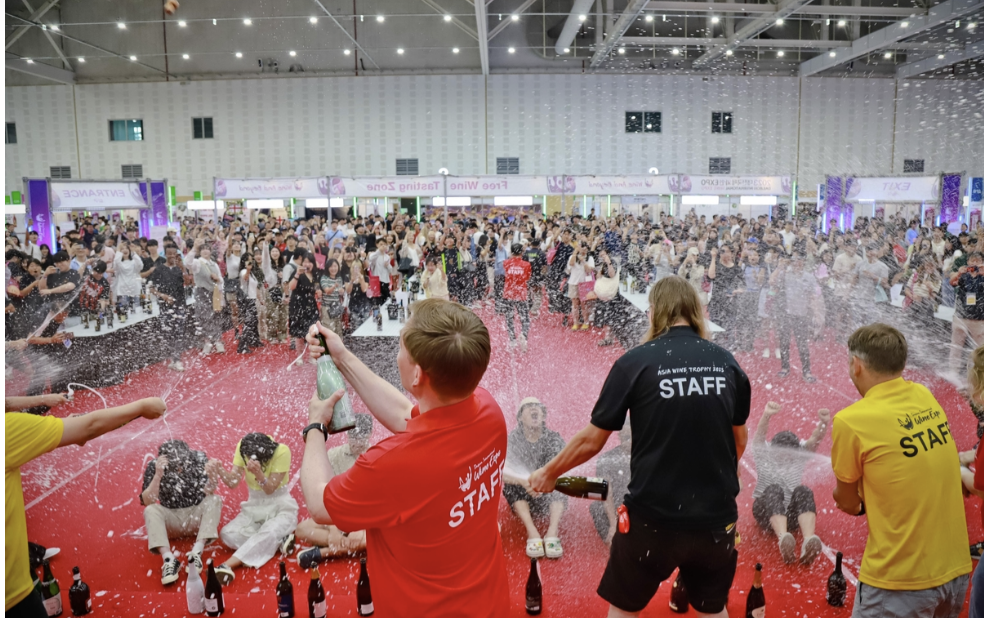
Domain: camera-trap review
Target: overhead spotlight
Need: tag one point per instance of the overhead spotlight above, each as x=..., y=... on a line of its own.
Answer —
x=654, y=171
x=54, y=28
x=715, y=19
x=292, y=53
x=621, y=51
x=512, y=50
x=567, y=50
x=826, y=22
x=675, y=51
x=841, y=23
x=121, y=25
x=185, y=56
x=447, y=18
x=971, y=25
x=215, y=22
x=29, y=61
x=81, y=59
x=247, y=22
x=239, y=54
x=347, y=52
x=649, y=19
x=380, y=18
x=515, y=17
x=455, y=50
x=182, y=23
x=313, y=20
x=780, y=53
x=780, y=21
x=133, y=58
x=729, y=53
x=904, y=24
x=888, y=55
x=400, y=51
x=582, y=17
x=832, y=54
x=941, y=56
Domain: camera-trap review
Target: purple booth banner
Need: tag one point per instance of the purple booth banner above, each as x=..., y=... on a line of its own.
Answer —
x=158, y=203
x=39, y=209
x=834, y=196
x=144, y=225
x=950, y=201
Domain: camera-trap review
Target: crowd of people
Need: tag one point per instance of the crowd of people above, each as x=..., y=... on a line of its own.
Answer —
x=282, y=282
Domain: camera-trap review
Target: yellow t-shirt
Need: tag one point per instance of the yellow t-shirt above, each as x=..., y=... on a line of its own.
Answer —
x=27, y=437
x=280, y=462
x=897, y=443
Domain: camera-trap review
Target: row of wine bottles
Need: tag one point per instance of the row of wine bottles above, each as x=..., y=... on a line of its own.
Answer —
x=680, y=601
x=79, y=598
x=207, y=598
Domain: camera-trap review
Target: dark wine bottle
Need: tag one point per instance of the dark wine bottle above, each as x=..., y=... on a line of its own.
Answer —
x=755, y=605
x=213, y=593
x=317, y=606
x=679, y=601
x=534, y=590
x=285, y=594
x=837, y=585
x=583, y=487
x=78, y=595
x=50, y=592
x=363, y=594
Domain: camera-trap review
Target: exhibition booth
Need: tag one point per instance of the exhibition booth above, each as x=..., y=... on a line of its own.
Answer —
x=928, y=199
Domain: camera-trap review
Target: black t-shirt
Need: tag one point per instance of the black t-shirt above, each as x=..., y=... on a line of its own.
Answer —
x=169, y=280
x=533, y=455
x=970, y=297
x=59, y=279
x=149, y=263
x=614, y=466
x=182, y=483
x=683, y=394
x=537, y=259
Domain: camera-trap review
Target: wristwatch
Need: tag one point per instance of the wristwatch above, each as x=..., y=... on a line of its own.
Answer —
x=319, y=426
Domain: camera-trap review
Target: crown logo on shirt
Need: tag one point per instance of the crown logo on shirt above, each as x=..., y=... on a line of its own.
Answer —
x=465, y=485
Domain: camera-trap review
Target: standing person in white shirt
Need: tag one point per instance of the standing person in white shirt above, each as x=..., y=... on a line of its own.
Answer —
x=380, y=265
x=128, y=283
x=207, y=276
x=843, y=274
x=31, y=247
x=788, y=236
x=251, y=281
x=581, y=268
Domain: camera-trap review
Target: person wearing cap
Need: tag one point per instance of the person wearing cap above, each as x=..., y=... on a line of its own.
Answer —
x=60, y=280
x=532, y=445
x=328, y=540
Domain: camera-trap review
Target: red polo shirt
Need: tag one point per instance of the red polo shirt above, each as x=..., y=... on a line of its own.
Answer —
x=428, y=499
x=517, y=275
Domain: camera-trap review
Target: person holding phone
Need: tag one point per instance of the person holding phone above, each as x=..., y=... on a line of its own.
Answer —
x=303, y=309
x=968, y=317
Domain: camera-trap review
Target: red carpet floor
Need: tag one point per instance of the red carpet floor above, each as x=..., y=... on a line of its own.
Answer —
x=84, y=500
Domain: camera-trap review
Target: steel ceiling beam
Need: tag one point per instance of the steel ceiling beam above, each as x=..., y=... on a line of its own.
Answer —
x=51, y=39
x=482, y=25
x=505, y=22
x=37, y=69
x=911, y=69
x=454, y=20
x=673, y=41
x=346, y=33
x=750, y=30
x=626, y=19
x=664, y=6
x=937, y=16
x=36, y=15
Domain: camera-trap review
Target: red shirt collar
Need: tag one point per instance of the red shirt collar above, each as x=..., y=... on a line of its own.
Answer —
x=446, y=416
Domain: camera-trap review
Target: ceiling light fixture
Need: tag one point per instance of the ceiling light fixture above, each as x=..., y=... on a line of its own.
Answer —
x=567, y=50
x=780, y=53
x=133, y=58
x=185, y=56
x=904, y=24
x=347, y=52
x=780, y=21
x=621, y=51
x=54, y=28
x=649, y=19
x=215, y=22
x=447, y=18
x=675, y=51
x=182, y=23
x=400, y=51
x=729, y=53
x=841, y=23
x=239, y=54
x=515, y=17
x=121, y=25
x=582, y=17
x=971, y=25
x=380, y=18
x=888, y=55
x=941, y=57
x=512, y=50
x=29, y=61
x=715, y=19
x=313, y=20
x=248, y=22
x=81, y=59
x=833, y=54
x=455, y=50
x=292, y=53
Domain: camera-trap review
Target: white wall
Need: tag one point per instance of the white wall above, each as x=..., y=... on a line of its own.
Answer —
x=553, y=123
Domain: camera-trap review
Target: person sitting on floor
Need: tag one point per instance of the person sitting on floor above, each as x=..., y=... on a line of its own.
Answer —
x=531, y=446
x=781, y=502
x=179, y=499
x=329, y=541
x=269, y=515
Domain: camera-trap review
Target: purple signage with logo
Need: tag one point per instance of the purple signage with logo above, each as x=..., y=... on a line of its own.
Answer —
x=157, y=213
x=39, y=209
x=834, y=199
x=950, y=201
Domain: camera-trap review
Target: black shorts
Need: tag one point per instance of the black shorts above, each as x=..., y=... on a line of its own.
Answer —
x=771, y=503
x=642, y=559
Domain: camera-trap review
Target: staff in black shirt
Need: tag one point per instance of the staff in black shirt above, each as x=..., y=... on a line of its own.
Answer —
x=538, y=261
x=688, y=401
x=60, y=282
x=168, y=280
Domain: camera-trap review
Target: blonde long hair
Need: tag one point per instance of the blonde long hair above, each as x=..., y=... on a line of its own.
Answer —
x=673, y=299
x=975, y=376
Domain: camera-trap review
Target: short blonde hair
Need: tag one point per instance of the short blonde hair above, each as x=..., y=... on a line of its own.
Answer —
x=975, y=376
x=449, y=343
x=671, y=300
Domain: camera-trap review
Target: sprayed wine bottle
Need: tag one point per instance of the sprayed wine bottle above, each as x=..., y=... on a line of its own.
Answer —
x=837, y=585
x=214, y=605
x=583, y=487
x=79, y=598
x=534, y=590
x=195, y=590
x=363, y=594
x=285, y=594
x=50, y=592
x=330, y=380
x=755, y=604
x=317, y=606
x=679, y=601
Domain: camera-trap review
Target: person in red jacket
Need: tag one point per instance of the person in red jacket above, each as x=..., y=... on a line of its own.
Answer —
x=515, y=295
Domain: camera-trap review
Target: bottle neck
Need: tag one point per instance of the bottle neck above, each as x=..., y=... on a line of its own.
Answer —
x=77, y=577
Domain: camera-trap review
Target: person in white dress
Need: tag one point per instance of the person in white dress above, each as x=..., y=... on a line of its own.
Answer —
x=127, y=266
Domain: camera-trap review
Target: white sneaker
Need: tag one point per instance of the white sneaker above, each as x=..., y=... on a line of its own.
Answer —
x=522, y=344
x=777, y=353
x=220, y=347
x=177, y=366
x=512, y=344
x=207, y=349
x=766, y=353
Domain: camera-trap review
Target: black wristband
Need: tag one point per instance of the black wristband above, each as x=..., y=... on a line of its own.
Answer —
x=319, y=426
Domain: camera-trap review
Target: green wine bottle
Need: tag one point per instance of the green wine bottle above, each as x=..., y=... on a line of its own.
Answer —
x=583, y=487
x=330, y=380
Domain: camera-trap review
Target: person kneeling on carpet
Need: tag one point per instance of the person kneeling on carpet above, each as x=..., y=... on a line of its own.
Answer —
x=179, y=499
x=328, y=540
x=269, y=515
x=781, y=502
x=531, y=446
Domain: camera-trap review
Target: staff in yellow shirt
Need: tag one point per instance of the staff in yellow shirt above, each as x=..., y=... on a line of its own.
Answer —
x=896, y=462
x=28, y=436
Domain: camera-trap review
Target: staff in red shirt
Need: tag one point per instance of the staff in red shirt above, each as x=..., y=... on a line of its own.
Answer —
x=428, y=496
x=515, y=294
